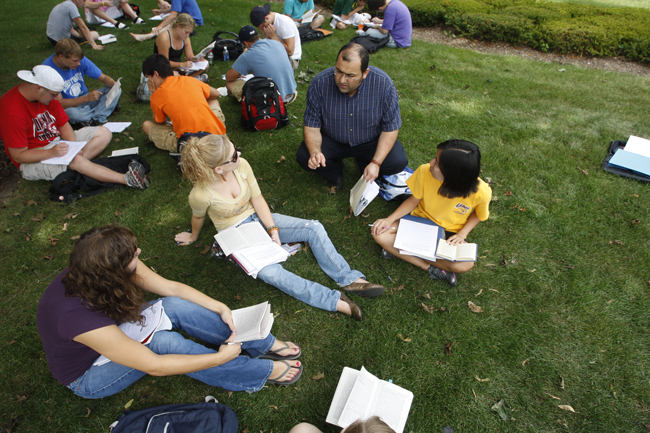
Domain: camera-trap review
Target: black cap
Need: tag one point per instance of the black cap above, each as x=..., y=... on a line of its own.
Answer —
x=259, y=13
x=246, y=32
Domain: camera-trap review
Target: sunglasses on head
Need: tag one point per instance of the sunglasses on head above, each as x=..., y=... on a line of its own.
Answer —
x=235, y=157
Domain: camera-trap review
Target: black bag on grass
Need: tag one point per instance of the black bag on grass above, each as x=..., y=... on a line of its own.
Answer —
x=262, y=107
x=235, y=47
x=613, y=147
x=307, y=34
x=370, y=43
x=71, y=185
x=210, y=416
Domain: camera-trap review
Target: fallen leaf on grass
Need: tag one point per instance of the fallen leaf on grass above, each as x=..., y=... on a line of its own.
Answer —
x=16, y=214
x=500, y=408
x=523, y=364
x=319, y=376
x=481, y=380
x=48, y=257
x=31, y=203
x=561, y=382
x=406, y=340
x=475, y=398
x=65, y=227
x=299, y=311
x=427, y=295
x=237, y=297
x=426, y=308
x=475, y=308
x=71, y=216
x=128, y=404
x=397, y=289
x=272, y=406
x=53, y=241
x=74, y=238
x=206, y=249
x=615, y=241
x=229, y=394
x=566, y=407
x=552, y=396
x=532, y=270
x=448, y=348
x=508, y=193
x=118, y=213
x=87, y=412
x=22, y=397
x=635, y=222
x=489, y=264
x=479, y=292
x=38, y=218
x=584, y=171
x=282, y=158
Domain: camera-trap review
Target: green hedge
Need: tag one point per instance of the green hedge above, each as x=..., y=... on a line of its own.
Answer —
x=558, y=27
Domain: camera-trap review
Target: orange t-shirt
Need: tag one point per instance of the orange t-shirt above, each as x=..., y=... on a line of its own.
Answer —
x=184, y=101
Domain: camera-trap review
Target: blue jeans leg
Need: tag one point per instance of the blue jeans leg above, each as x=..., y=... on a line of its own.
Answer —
x=93, y=110
x=330, y=261
x=240, y=374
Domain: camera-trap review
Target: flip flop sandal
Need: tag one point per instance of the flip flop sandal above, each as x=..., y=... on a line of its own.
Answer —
x=286, y=382
x=275, y=356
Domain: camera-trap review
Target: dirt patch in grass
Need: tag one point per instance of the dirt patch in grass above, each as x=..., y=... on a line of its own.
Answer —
x=9, y=176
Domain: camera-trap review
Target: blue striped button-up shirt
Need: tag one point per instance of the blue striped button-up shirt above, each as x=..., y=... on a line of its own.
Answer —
x=373, y=109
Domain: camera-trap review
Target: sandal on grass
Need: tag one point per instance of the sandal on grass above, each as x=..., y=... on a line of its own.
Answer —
x=286, y=382
x=275, y=354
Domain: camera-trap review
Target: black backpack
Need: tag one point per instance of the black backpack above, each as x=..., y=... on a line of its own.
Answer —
x=370, y=43
x=262, y=107
x=210, y=416
x=307, y=34
x=235, y=47
x=71, y=185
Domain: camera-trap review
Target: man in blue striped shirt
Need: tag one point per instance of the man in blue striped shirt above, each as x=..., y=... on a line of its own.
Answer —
x=352, y=111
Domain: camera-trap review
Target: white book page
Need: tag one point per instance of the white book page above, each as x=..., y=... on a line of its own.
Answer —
x=267, y=323
x=263, y=255
x=103, y=38
x=466, y=252
x=128, y=151
x=197, y=66
x=74, y=147
x=230, y=240
x=362, y=194
x=416, y=238
x=445, y=250
x=392, y=405
x=638, y=145
x=112, y=94
x=158, y=17
x=254, y=234
x=357, y=406
x=204, y=52
x=116, y=126
x=247, y=321
x=343, y=390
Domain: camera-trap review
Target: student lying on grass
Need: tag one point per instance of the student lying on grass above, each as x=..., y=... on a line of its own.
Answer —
x=449, y=192
x=79, y=313
x=225, y=188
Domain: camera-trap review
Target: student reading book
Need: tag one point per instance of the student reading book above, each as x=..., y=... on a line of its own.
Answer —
x=457, y=253
x=225, y=188
x=253, y=323
x=449, y=192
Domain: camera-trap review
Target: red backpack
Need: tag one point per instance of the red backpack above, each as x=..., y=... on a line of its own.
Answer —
x=261, y=105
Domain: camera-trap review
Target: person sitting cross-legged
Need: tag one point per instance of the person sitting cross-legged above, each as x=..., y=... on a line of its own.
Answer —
x=32, y=122
x=61, y=21
x=84, y=108
x=396, y=25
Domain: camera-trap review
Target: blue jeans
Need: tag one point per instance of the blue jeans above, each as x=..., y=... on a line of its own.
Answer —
x=240, y=374
x=379, y=35
x=93, y=110
x=329, y=260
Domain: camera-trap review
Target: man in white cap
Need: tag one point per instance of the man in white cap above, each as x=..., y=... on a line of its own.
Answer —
x=280, y=28
x=32, y=121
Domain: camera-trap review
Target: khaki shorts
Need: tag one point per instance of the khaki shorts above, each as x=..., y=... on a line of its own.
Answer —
x=237, y=88
x=40, y=171
x=164, y=137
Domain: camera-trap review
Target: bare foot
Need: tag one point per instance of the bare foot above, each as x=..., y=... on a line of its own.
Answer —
x=141, y=38
x=284, y=348
x=280, y=372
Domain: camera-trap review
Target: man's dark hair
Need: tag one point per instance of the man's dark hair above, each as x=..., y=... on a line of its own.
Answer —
x=253, y=39
x=374, y=5
x=460, y=164
x=347, y=51
x=157, y=63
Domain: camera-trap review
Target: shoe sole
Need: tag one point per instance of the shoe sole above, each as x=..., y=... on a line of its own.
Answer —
x=369, y=293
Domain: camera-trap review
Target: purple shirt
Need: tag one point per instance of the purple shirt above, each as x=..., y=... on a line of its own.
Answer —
x=397, y=20
x=59, y=319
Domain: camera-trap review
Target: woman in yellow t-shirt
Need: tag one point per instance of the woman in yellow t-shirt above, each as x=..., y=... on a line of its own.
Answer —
x=226, y=190
x=449, y=192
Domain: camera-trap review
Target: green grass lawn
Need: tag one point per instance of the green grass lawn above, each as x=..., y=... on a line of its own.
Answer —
x=645, y=4
x=563, y=275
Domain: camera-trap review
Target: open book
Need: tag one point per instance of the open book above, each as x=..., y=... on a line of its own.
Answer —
x=309, y=16
x=204, y=52
x=362, y=194
x=114, y=92
x=197, y=66
x=253, y=323
x=418, y=236
x=360, y=395
x=458, y=253
x=251, y=247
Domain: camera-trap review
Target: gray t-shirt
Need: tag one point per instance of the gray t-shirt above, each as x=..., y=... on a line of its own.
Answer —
x=268, y=58
x=60, y=21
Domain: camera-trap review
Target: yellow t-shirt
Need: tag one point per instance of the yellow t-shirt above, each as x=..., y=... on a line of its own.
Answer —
x=449, y=213
x=224, y=212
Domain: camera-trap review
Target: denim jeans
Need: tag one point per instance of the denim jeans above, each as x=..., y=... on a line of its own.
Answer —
x=93, y=110
x=329, y=260
x=240, y=374
x=379, y=35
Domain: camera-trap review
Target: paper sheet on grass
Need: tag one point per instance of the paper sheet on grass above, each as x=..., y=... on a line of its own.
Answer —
x=158, y=17
x=116, y=126
x=74, y=147
x=638, y=145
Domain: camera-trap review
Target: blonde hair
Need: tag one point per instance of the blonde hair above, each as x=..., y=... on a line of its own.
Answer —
x=373, y=424
x=184, y=21
x=67, y=48
x=200, y=156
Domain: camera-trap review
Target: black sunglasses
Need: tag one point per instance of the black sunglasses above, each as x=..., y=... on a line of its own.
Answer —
x=235, y=157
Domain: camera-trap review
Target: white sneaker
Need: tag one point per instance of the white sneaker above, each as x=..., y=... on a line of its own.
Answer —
x=122, y=26
x=138, y=20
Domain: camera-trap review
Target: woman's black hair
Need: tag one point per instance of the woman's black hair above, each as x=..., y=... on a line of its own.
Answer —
x=460, y=164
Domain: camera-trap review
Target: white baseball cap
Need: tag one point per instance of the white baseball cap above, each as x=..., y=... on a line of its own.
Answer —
x=44, y=76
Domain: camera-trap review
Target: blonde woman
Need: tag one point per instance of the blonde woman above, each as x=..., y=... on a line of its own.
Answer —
x=225, y=188
x=175, y=41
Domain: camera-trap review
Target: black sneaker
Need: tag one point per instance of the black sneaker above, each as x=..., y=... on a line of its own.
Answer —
x=117, y=108
x=136, y=177
x=439, y=274
x=386, y=255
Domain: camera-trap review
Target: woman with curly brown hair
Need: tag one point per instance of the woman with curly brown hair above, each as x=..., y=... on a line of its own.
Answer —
x=79, y=313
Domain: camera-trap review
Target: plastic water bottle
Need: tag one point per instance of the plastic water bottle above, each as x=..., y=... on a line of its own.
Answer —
x=226, y=55
x=210, y=57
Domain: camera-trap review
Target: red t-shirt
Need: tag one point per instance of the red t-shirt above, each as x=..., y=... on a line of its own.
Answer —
x=29, y=124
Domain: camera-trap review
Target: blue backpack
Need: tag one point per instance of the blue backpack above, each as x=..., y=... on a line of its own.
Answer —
x=210, y=416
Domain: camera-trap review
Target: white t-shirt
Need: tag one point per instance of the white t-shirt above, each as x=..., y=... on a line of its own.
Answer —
x=285, y=28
